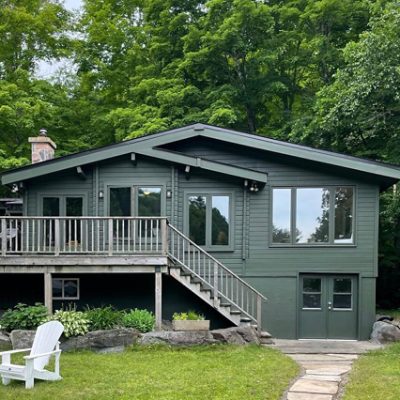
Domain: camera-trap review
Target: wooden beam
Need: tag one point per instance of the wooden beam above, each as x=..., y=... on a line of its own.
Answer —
x=48, y=292
x=134, y=159
x=83, y=260
x=94, y=269
x=158, y=299
x=81, y=172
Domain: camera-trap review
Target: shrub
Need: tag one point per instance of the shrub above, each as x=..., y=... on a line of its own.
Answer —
x=142, y=320
x=103, y=318
x=23, y=316
x=75, y=323
x=188, y=316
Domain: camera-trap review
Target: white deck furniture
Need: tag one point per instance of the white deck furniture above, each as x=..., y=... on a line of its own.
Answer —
x=44, y=346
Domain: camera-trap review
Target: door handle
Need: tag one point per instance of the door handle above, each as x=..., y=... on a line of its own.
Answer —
x=329, y=305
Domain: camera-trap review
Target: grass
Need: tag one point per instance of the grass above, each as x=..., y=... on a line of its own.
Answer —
x=208, y=372
x=392, y=313
x=376, y=376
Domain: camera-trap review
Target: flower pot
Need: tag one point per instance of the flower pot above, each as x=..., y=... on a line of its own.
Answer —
x=191, y=325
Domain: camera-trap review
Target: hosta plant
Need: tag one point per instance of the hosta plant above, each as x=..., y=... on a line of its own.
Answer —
x=75, y=322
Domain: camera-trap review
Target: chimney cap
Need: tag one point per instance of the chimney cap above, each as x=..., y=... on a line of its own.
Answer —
x=43, y=132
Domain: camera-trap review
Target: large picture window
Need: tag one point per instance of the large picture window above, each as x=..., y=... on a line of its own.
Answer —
x=209, y=219
x=313, y=216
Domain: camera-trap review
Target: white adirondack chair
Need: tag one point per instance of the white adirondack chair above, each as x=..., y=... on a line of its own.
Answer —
x=44, y=346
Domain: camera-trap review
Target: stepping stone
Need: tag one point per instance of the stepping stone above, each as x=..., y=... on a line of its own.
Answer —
x=320, y=358
x=332, y=365
x=333, y=378
x=314, y=386
x=344, y=356
x=328, y=370
x=308, y=396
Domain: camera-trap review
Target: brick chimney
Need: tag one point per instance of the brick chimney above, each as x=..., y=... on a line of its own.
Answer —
x=42, y=147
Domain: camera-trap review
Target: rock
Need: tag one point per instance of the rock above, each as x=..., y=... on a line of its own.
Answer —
x=178, y=338
x=5, y=341
x=101, y=340
x=236, y=335
x=108, y=350
x=384, y=332
x=22, y=339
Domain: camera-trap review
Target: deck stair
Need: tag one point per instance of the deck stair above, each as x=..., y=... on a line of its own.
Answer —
x=212, y=281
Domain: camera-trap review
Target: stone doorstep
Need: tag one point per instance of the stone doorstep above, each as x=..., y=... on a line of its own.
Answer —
x=308, y=396
x=314, y=386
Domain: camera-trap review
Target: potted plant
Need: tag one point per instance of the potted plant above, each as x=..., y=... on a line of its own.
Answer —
x=189, y=321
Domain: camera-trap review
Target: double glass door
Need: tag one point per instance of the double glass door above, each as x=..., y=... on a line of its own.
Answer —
x=70, y=229
x=328, y=307
x=139, y=201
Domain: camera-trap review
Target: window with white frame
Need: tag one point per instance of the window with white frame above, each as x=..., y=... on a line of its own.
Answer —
x=313, y=215
x=65, y=289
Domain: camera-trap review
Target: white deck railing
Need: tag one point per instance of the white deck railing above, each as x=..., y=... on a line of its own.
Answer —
x=83, y=235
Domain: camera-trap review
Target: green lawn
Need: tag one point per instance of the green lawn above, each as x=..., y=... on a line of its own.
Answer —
x=376, y=376
x=214, y=372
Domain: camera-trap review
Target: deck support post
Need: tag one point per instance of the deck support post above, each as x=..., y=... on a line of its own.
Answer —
x=48, y=292
x=259, y=310
x=158, y=298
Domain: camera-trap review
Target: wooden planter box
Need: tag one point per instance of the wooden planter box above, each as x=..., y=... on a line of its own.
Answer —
x=191, y=325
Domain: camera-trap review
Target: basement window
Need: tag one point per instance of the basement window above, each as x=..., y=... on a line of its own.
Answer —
x=65, y=289
x=313, y=216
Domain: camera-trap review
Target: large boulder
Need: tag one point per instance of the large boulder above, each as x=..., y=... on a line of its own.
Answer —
x=385, y=332
x=236, y=335
x=22, y=339
x=178, y=338
x=112, y=339
x=5, y=342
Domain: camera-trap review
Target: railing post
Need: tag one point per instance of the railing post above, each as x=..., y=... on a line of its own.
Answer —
x=259, y=309
x=56, y=237
x=215, y=285
x=164, y=236
x=110, y=236
x=3, y=237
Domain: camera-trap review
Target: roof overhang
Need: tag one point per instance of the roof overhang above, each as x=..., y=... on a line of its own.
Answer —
x=150, y=146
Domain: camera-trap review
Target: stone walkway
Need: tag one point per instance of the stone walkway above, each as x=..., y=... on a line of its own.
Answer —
x=324, y=364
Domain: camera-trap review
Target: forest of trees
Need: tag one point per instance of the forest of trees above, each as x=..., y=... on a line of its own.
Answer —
x=324, y=73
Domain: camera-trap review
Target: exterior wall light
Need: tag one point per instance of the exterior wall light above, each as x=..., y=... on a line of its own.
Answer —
x=169, y=194
x=254, y=187
x=101, y=194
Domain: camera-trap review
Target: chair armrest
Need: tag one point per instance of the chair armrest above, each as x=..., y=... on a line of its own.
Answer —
x=3, y=353
x=42, y=355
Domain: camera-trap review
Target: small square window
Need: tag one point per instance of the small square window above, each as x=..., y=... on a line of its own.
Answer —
x=66, y=289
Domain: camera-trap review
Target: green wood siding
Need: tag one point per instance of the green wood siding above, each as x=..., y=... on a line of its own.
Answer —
x=274, y=271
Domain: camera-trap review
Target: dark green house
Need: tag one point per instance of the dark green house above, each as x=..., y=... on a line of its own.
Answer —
x=243, y=228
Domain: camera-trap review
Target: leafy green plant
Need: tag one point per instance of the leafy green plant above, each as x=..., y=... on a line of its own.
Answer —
x=188, y=316
x=75, y=322
x=103, y=318
x=23, y=316
x=142, y=320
